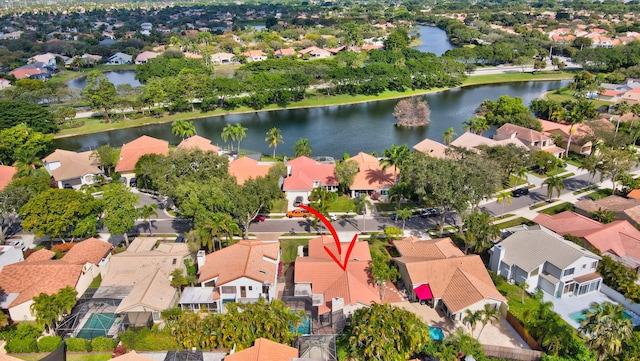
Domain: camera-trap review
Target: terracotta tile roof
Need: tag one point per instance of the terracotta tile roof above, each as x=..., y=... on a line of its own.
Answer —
x=131, y=356
x=264, y=350
x=523, y=133
x=41, y=255
x=568, y=222
x=245, y=168
x=553, y=150
x=72, y=165
x=634, y=194
x=257, y=260
x=370, y=174
x=198, y=142
x=25, y=73
x=135, y=149
x=304, y=171
x=427, y=249
x=431, y=147
x=611, y=93
x=30, y=278
x=91, y=250
x=352, y=285
x=146, y=55
x=459, y=281
x=285, y=52
x=6, y=175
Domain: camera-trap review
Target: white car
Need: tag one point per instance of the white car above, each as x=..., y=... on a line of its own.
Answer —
x=18, y=244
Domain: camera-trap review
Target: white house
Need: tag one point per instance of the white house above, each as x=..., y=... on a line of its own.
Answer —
x=545, y=260
x=119, y=59
x=72, y=169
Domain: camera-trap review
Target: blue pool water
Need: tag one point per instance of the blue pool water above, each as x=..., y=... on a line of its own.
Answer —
x=580, y=316
x=97, y=325
x=436, y=333
x=304, y=327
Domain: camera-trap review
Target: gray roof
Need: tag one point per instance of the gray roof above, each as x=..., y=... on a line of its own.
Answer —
x=528, y=249
x=197, y=295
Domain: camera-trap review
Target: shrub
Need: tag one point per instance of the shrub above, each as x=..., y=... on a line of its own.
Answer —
x=23, y=338
x=63, y=247
x=78, y=345
x=49, y=343
x=22, y=345
x=102, y=343
x=393, y=232
x=70, y=124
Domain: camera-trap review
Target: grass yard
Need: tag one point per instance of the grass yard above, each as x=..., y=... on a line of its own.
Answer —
x=514, y=77
x=588, y=189
x=558, y=209
x=514, y=222
x=342, y=204
x=289, y=248
x=70, y=356
x=390, y=207
x=513, y=293
x=516, y=181
x=278, y=206
x=599, y=194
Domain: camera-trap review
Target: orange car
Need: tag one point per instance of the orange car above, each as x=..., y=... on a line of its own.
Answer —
x=298, y=213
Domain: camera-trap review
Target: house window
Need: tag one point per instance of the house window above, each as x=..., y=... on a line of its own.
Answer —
x=228, y=289
x=594, y=264
x=535, y=272
x=250, y=288
x=568, y=272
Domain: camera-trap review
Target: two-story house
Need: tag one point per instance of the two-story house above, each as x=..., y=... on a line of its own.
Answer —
x=243, y=272
x=371, y=176
x=304, y=174
x=533, y=139
x=546, y=261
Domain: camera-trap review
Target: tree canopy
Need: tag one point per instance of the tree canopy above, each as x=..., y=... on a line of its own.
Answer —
x=36, y=117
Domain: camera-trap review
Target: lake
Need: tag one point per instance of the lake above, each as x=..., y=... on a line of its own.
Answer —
x=117, y=77
x=333, y=130
x=434, y=40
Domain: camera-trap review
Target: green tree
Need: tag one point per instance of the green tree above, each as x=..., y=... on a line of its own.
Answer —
x=49, y=309
x=183, y=128
x=472, y=318
x=479, y=231
x=448, y=136
x=178, y=279
x=274, y=137
x=240, y=133
x=489, y=314
x=61, y=213
x=398, y=39
x=385, y=332
x=17, y=193
x=64, y=112
x=302, y=148
x=382, y=270
x=613, y=162
x=395, y=157
x=145, y=212
x=345, y=173
x=321, y=199
x=553, y=183
x=606, y=328
x=403, y=214
x=120, y=211
x=503, y=198
x=107, y=157
x=35, y=116
x=21, y=140
x=254, y=196
x=603, y=215
x=213, y=229
x=100, y=92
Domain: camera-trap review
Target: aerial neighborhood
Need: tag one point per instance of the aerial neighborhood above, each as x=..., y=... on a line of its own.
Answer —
x=320, y=181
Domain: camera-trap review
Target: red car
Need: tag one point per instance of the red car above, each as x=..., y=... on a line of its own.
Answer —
x=259, y=218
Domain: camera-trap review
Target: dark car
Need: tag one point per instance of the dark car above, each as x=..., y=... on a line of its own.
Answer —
x=520, y=192
x=133, y=182
x=297, y=201
x=179, y=239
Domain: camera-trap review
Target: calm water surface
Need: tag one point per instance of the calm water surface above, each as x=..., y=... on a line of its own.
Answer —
x=433, y=39
x=117, y=77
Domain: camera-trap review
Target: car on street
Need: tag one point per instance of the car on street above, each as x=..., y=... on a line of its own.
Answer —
x=520, y=192
x=259, y=218
x=179, y=239
x=430, y=212
x=298, y=213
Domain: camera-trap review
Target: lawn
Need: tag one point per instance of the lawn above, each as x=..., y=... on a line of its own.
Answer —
x=566, y=206
x=567, y=95
x=600, y=193
x=289, y=248
x=390, y=207
x=513, y=293
x=515, y=77
x=342, y=204
x=514, y=222
x=70, y=356
x=516, y=181
x=278, y=206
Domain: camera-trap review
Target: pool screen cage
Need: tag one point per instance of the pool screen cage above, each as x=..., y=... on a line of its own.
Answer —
x=69, y=326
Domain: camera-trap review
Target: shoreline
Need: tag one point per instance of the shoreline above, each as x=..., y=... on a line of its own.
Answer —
x=395, y=95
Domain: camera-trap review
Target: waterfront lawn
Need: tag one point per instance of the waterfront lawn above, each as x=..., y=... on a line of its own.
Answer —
x=517, y=77
x=565, y=94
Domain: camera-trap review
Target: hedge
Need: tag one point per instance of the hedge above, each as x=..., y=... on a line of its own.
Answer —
x=49, y=343
x=102, y=343
x=78, y=345
x=22, y=345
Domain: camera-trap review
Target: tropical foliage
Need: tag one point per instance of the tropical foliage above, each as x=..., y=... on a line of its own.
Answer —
x=606, y=328
x=49, y=309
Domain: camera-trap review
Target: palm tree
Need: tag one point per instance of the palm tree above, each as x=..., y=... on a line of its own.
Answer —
x=183, y=128
x=554, y=183
x=228, y=132
x=603, y=215
x=521, y=173
x=606, y=328
x=274, y=136
x=472, y=319
x=489, y=314
x=635, y=109
x=476, y=125
x=240, y=133
x=395, y=157
x=448, y=136
x=321, y=199
x=26, y=161
x=362, y=204
x=146, y=211
x=403, y=214
x=302, y=148
x=504, y=197
x=213, y=229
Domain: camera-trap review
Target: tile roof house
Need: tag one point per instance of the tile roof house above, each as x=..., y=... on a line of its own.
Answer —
x=139, y=277
x=619, y=239
x=265, y=350
x=243, y=272
x=40, y=273
x=143, y=57
x=304, y=174
x=222, y=58
x=580, y=144
x=533, y=139
x=314, y=52
x=431, y=148
x=472, y=141
x=546, y=261
x=6, y=175
x=132, y=151
x=333, y=290
x=437, y=272
x=622, y=208
x=246, y=168
x=48, y=59
x=285, y=52
x=198, y=142
x=30, y=73
x=255, y=55
x=371, y=176
x=75, y=169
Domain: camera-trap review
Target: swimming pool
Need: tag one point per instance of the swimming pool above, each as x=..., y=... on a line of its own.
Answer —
x=436, y=333
x=98, y=324
x=304, y=327
x=580, y=315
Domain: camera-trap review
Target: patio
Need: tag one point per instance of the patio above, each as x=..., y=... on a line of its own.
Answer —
x=571, y=304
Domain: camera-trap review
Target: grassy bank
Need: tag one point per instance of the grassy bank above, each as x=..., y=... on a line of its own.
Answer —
x=95, y=125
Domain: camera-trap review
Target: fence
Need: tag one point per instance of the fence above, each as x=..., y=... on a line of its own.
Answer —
x=511, y=353
x=531, y=342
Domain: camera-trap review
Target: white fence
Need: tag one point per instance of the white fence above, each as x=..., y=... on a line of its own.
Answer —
x=618, y=297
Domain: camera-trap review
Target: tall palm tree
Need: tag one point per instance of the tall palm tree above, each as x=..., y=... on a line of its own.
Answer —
x=183, y=128
x=448, y=136
x=302, y=148
x=403, y=214
x=274, y=136
x=395, y=157
x=503, y=198
x=635, y=109
x=476, y=125
x=361, y=207
x=146, y=211
x=228, y=132
x=489, y=314
x=240, y=133
x=26, y=161
x=606, y=328
x=521, y=173
x=554, y=183
x=472, y=319
x=213, y=228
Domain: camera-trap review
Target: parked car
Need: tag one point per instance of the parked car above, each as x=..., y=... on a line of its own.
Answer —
x=297, y=201
x=520, y=192
x=430, y=212
x=179, y=239
x=133, y=183
x=67, y=186
x=298, y=213
x=259, y=218
x=18, y=244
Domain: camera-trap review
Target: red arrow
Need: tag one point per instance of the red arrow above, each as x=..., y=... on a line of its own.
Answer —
x=329, y=226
